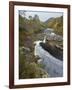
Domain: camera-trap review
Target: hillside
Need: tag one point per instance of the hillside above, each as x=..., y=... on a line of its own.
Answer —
x=56, y=24
x=29, y=30
x=31, y=25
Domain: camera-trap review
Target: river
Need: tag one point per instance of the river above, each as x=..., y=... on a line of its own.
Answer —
x=52, y=65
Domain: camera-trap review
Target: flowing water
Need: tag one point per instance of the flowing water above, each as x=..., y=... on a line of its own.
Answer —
x=52, y=65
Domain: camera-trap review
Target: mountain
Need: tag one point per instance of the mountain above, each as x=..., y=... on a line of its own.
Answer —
x=31, y=25
x=49, y=20
x=29, y=28
x=56, y=24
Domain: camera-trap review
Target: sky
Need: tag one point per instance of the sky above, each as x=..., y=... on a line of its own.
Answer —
x=43, y=15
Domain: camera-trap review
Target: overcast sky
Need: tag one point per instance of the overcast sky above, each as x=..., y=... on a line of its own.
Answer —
x=43, y=16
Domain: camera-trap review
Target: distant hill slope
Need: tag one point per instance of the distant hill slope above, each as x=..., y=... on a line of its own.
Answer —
x=56, y=24
x=49, y=20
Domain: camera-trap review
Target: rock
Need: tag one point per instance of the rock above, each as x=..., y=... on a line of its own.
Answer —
x=54, y=37
x=39, y=60
x=24, y=50
x=59, y=47
x=51, y=35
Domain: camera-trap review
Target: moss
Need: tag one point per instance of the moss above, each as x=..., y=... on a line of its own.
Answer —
x=33, y=71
